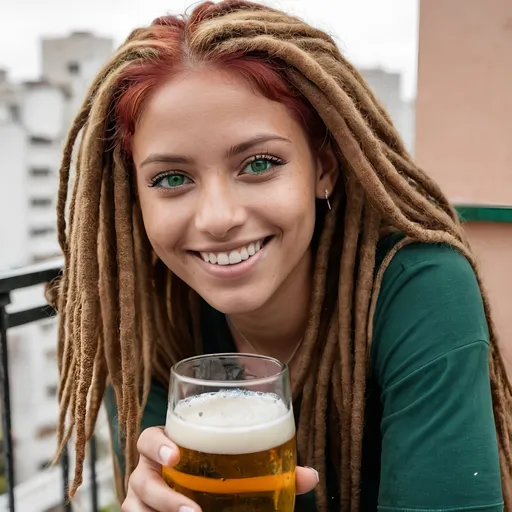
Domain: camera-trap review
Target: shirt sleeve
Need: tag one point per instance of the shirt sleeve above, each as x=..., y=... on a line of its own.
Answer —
x=430, y=356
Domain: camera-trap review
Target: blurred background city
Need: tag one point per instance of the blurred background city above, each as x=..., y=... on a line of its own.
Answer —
x=443, y=69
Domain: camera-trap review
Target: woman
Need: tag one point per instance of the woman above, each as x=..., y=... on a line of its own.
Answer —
x=239, y=187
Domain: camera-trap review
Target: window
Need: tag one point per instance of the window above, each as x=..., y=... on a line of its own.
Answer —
x=40, y=140
x=51, y=391
x=41, y=231
x=15, y=112
x=40, y=202
x=40, y=172
x=44, y=465
x=48, y=327
x=73, y=68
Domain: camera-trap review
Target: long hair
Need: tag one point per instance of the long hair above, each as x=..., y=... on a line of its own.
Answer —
x=124, y=318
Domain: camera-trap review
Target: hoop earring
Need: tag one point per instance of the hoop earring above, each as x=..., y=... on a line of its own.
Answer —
x=327, y=200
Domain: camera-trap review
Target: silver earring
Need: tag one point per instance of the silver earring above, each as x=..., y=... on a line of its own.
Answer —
x=327, y=199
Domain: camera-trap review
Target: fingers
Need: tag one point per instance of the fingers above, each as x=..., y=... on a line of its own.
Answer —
x=306, y=479
x=155, y=446
x=150, y=489
x=133, y=504
x=147, y=491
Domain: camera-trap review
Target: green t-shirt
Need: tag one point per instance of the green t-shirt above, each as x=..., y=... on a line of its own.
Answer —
x=430, y=440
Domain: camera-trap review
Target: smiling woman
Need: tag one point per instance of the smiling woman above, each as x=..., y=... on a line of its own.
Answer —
x=240, y=188
x=245, y=179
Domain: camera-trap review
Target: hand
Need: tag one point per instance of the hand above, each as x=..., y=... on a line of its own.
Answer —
x=147, y=491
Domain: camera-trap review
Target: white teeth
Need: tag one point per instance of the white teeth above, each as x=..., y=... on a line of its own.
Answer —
x=233, y=257
x=222, y=259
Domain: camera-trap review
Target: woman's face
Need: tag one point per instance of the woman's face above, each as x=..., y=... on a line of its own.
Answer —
x=227, y=184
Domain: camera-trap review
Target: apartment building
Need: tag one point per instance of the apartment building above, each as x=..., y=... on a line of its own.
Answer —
x=34, y=119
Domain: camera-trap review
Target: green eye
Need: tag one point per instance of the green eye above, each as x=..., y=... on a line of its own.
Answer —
x=170, y=180
x=259, y=166
x=262, y=164
x=173, y=180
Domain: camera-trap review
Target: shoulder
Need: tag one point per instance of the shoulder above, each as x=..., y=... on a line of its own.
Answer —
x=429, y=303
x=430, y=358
x=441, y=258
x=433, y=276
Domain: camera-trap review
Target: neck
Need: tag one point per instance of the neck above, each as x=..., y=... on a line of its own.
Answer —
x=278, y=327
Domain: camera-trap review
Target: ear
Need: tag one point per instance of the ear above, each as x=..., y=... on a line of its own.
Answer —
x=328, y=168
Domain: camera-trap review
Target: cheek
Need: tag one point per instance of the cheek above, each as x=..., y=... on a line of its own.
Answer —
x=163, y=223
x=291, y=204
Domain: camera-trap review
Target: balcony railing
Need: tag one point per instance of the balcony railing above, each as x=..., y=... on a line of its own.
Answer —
x=10, y=282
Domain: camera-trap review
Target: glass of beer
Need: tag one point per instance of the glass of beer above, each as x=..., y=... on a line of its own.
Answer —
x=231, y=417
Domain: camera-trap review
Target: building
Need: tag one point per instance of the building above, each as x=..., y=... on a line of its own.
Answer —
x=388, y=89
x=13, y=143
x=34, y=119
x=75, y=57
x=464, y=130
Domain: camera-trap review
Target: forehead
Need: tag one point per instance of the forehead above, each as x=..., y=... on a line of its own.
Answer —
x=208, y=107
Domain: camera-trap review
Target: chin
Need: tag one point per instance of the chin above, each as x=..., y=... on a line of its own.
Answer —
x=234, y=303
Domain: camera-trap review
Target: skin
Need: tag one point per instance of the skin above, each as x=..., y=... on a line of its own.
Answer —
x=201, y=116
x=218, y=166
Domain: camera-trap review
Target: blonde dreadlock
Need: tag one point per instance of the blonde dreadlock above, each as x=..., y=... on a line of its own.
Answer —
x=119, y=305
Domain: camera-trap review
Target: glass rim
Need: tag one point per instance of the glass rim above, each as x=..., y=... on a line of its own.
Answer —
x=230, y=383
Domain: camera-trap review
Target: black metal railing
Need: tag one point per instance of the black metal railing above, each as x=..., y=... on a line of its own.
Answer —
x=10, y=282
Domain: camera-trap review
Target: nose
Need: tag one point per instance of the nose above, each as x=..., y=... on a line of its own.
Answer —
x=219, y=210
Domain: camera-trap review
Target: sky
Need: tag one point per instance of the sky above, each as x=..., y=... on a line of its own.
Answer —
x=376, y=33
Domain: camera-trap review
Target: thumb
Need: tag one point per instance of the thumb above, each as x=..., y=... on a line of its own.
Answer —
x=306, y=479
x=157, y=448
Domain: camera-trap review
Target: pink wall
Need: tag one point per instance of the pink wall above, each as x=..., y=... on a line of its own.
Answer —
x=464, y=104
x=464, y=125
x=492, y=243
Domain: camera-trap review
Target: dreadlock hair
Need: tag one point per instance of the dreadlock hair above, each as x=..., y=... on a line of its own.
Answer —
x=124, y=317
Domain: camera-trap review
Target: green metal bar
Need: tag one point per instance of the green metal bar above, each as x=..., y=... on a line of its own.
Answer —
x=484, y=213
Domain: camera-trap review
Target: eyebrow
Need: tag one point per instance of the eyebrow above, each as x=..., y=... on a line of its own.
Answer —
x=232, y=151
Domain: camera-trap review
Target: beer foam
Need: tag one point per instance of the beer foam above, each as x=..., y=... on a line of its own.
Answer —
x=230, y=422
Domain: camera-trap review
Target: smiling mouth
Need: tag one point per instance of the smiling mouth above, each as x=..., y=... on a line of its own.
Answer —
x=235, y=256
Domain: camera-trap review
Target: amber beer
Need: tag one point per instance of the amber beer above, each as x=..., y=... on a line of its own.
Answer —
x=237, y=451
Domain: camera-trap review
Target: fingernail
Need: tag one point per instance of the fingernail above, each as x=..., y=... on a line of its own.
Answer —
x=315, y=472
x=165, y=454
x=186, y=509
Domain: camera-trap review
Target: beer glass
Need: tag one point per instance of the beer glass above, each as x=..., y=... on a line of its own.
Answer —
x=231, y=417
